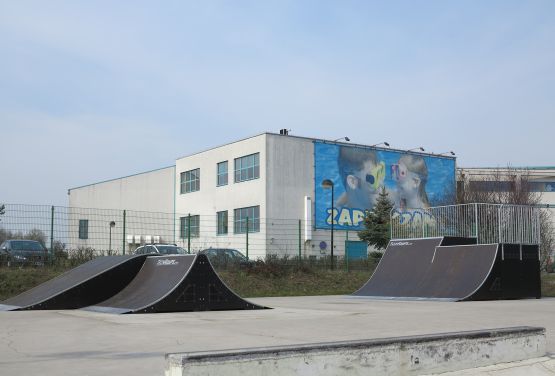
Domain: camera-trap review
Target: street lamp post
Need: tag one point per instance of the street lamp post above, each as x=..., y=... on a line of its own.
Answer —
x=112, y=225
x=326, y=184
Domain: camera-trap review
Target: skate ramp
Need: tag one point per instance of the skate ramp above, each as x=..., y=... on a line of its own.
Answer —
x=427, y=269
x=174, y=284
x=87, y=284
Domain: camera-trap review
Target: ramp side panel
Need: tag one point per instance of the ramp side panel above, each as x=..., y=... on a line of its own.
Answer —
x=201, y=290
x=512, y=278
x=403, y=265
x=157, y=278
x=174, y=284
x=84, y=285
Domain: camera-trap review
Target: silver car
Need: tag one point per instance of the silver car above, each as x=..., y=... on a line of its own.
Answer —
x=161, y=249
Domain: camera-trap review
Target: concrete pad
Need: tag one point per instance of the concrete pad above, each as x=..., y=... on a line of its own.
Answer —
x=91, y=343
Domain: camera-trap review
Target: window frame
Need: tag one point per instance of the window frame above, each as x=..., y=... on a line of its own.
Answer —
x=83, y=229
x=195, y=226
x=240, y=216
x=222, y=175
x=189, y=181
x=222, y=227
x=246, y=168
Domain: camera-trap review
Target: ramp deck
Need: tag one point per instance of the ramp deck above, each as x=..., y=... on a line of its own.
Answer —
x=87, y=284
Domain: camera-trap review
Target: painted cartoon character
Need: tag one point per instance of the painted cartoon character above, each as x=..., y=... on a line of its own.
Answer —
x=411, y=175
x=362, y=176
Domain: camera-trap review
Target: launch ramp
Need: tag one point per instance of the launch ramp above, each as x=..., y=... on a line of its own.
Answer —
x=87, y=284
x=174, y=284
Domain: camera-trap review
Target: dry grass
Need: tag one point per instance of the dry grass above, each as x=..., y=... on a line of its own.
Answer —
x=548, y=284
x=255, y=282
x=295, y=283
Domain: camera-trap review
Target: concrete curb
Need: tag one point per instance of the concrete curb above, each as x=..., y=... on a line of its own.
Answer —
x=412, y=355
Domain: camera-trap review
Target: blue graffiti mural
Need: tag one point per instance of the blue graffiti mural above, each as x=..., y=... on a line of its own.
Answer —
x=359, y=173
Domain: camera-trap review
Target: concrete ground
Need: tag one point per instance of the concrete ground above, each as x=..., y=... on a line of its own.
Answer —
x=90, y=343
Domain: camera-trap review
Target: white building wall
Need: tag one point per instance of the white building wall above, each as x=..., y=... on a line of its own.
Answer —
x=290, y=166
x=211, y=199
x=149, y=191
x=147, y=198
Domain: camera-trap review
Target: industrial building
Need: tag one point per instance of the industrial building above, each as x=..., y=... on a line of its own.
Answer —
x=274, y=184
x=280, y=187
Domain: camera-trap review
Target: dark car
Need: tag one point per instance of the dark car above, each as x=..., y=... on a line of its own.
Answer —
x=161, y=249
x=23, y=252
x=225, y=257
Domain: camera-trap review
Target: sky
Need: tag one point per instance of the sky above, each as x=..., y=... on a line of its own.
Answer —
x=91, y=91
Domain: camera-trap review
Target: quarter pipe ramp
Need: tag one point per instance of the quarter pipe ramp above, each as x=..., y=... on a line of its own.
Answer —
x=174, y=284
x=439, y=268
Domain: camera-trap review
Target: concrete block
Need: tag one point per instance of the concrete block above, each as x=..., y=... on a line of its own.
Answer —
x=413, y=355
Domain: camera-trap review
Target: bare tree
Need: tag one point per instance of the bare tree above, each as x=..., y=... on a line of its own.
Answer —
x=508, y=186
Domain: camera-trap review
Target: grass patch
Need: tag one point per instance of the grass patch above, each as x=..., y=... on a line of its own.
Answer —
x=294, y=283
x=14, y=281
x=548, y=284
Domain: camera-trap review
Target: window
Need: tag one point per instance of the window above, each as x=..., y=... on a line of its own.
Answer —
x=538, y=186
x=247, y=168
x=222, y=222
x=190, y=181
x=240, y=219
x=184, y=226
x=83, y=229
x=491, y=186
x=222, y=174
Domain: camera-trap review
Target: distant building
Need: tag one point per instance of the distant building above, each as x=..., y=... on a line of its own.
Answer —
x=275, y=182
x=541, y=180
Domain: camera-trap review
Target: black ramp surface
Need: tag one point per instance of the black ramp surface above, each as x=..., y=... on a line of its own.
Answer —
x=87, y=284
x=423, y=269
x=457, y=272
x=403, y=265
x=174, y=284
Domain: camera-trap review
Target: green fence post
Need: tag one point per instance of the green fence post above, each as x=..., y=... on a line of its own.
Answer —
x=124, y=218
x=189, y=233
x=52, y=234
x=247, y=238
x=347, y=251
x=299, y=243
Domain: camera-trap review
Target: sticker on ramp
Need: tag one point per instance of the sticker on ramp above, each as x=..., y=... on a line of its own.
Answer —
x=166, y=262
x=400, y=244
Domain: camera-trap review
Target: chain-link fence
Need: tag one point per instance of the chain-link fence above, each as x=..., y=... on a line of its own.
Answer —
x=69, y=232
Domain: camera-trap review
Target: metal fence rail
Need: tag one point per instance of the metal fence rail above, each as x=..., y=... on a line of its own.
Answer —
x=489, y=223
x=81, y=231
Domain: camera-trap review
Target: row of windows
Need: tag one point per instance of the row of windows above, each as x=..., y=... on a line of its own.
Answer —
x=192, y=223
x=240, y=218
x=507, y=186
x=245, y=168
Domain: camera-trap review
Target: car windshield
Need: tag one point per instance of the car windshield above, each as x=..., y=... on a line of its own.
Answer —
x=236, y=254
x=26, y=245
x=170, y=250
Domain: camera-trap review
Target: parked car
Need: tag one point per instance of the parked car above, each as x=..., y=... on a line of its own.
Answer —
x=23, y=252
x=226, y=256
x=161, y=249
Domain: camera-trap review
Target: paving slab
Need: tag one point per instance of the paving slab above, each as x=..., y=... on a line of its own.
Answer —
x=91, y=343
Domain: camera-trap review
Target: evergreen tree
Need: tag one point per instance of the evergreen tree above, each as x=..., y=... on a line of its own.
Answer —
x=376, y=222
x=2, y=209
